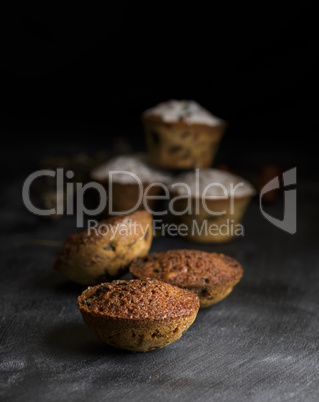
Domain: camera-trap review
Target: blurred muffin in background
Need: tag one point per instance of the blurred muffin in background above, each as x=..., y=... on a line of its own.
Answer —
x=131, y=183
x=181, y=134
x=266, y=174
x=211, y=203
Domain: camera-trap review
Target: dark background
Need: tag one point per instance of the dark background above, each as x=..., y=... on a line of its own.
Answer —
x=73, y=79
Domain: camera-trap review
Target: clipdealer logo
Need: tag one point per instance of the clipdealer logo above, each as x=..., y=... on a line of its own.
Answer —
x=289, y=221
x=69, y=191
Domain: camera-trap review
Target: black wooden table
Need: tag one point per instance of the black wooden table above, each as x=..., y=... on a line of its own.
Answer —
x=260, y=344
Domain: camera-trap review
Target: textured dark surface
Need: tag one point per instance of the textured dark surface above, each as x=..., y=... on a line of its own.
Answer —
x=259, y=344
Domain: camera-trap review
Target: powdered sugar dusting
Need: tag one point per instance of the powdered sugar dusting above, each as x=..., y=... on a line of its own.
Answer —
x=187, y=111
x=135, y=164
x=211, y=183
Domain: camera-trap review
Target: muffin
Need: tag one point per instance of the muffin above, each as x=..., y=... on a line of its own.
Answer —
x=127, y=189
x=105, y=251
x=211, y=203
x=181, y=134
x=266, y=174
x=138, y=315
x=211, y=276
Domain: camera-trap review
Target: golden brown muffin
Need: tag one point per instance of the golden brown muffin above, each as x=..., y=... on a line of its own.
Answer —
x=135, y=179
x=138, y=315
x=105, y=251
x=211, y=203
x=182, y=134
x=211, y=276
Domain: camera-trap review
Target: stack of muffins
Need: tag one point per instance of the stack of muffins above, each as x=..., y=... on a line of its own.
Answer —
x=182, y=139
x=168, y=288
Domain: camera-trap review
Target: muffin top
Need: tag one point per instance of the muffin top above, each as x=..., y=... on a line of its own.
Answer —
x=138, y=300
x=136, y=164
x=187, y=111
x=107, y=228
x=211, y=183
x=193, y=269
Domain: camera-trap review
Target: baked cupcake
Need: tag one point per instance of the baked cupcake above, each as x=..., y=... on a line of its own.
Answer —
x=211, y=276
x=136, y=179
x=181, y=134
x=211, y=203
x=138, y=315
x=105, y=251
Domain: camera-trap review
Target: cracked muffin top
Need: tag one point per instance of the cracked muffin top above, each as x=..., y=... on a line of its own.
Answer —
x=193, y=269
x=138, y=300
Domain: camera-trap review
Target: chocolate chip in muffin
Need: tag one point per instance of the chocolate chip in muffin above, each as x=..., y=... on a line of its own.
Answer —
x=109, y=247
x=146, y=234
x=211, y=218
x=133, y=242
x=157, y=270
x=155, y=137
x=185, y=155
x=174, y=149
